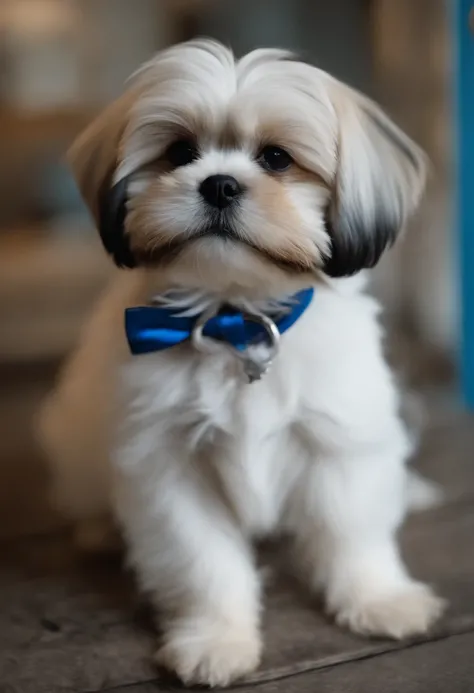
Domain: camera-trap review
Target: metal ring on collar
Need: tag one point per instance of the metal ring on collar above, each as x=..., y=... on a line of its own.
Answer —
x=203, y=343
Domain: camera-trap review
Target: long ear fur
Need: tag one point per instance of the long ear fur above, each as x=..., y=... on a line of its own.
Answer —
x=380, y=177
x=94, y=158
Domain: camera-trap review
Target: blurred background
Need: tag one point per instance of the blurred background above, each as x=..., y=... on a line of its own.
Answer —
x=61, y=61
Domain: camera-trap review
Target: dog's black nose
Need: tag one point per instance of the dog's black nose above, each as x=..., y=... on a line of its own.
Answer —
x=220, y=190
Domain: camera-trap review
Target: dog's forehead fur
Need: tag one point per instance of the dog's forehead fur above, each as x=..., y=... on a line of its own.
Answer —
x=199, y=89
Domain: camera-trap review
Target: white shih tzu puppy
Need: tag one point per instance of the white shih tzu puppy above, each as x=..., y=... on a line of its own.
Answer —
x=243, y=196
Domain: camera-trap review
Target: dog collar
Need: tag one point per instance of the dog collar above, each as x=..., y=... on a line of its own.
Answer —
x=155, y=328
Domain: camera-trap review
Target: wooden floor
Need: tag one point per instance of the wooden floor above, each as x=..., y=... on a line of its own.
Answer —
x=69, y=623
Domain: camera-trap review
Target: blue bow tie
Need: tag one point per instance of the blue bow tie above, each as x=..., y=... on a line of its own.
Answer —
x=154, y=328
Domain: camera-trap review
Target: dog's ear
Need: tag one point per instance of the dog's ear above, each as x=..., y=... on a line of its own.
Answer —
x=94, y=157
x=379, y=179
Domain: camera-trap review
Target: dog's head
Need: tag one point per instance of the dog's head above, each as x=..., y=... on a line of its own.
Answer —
x=242, y=170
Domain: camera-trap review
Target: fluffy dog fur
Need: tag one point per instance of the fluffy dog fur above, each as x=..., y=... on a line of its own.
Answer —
x=195, y=462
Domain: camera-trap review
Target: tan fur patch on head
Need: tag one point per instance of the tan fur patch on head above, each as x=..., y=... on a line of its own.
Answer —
x=299, y=174
x=147, y=231
x=280, y=233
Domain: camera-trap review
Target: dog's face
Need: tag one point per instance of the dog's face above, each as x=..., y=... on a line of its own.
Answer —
x=242, y=172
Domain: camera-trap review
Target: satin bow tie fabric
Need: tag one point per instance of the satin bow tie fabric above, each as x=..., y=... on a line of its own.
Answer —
x=154, y=328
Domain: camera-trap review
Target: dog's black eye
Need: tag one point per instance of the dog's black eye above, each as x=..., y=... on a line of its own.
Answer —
x=274, y=159
x=181, y=153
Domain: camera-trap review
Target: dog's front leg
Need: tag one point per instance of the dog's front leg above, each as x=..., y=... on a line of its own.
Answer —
x=191, y=557
x=345, y=515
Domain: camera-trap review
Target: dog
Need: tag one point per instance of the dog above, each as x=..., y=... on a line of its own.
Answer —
x=247, y=394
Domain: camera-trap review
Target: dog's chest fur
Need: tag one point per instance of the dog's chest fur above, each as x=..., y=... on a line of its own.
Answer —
x=195, y=415
x=199, y=414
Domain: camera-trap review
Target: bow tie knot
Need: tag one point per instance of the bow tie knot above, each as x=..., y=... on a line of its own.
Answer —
x=154, y=328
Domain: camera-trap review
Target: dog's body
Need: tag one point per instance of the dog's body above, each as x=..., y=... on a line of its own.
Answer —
x=197, y=463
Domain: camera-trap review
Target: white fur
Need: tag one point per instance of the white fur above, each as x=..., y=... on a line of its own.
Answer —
x=196, y=463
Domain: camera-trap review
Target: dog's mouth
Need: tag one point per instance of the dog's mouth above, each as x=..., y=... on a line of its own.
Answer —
x=221, y=231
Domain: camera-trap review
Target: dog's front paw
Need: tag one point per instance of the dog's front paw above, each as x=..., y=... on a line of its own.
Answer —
x=410, y=610
x=210, y=655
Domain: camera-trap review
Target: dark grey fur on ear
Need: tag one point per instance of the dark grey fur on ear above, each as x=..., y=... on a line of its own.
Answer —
x=354, y=248
x=379, y=179
x=112, y=213
x=94, y=159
